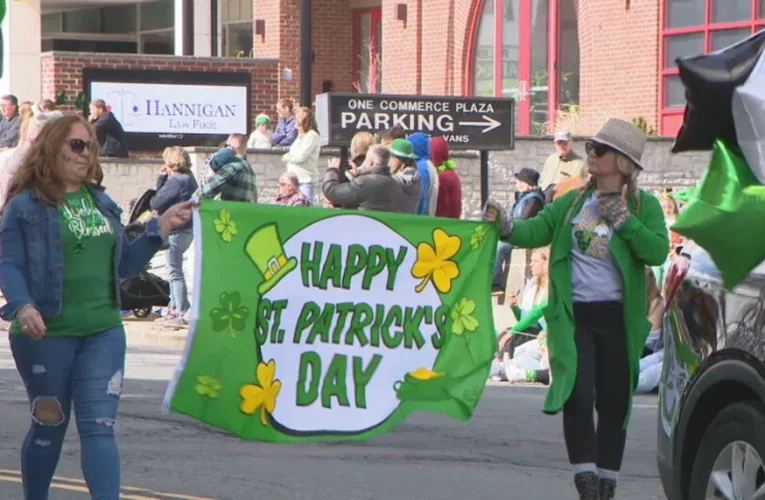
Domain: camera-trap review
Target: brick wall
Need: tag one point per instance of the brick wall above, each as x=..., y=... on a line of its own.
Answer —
x=281, y=42
x=402, y=47
x=332, y=22
x=332, y=45
x=619, y=51
x=62, y=71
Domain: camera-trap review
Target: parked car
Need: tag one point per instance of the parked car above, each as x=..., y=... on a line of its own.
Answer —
x=711, y=419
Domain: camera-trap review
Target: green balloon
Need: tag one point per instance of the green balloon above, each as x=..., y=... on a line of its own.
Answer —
x=2, y=10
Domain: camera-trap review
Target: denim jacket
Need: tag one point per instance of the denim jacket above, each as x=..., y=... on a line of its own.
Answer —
x=31, y=252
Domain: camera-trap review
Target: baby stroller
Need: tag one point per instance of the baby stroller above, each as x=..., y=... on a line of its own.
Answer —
x=144, y=291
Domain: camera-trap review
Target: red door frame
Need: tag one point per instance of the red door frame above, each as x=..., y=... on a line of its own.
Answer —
x=671, y=118
x=525, y=14
x=375, y=19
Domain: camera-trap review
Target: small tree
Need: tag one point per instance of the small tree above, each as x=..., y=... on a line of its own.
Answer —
x=373, y=77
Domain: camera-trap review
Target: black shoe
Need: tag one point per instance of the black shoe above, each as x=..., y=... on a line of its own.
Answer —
x=606, y=489
x=587, y=485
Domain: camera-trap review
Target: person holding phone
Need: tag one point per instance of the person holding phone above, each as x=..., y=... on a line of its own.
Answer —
x=602, y=236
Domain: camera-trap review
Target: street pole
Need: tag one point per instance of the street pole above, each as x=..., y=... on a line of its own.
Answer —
x=484, y=178
x=306, y=56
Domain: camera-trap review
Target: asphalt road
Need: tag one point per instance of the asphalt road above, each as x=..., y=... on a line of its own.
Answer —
x=509, y=450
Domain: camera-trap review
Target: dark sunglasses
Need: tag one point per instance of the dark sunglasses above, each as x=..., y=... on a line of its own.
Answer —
x=596, y=149
x=78, y=145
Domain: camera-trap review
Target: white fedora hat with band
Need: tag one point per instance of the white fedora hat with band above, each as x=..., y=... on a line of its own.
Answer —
x=623, y=137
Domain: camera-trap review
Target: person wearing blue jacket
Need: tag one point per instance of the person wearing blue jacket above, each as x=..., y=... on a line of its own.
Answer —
x=421, y=148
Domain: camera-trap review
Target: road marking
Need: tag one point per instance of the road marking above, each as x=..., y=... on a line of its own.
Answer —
x=78, y=485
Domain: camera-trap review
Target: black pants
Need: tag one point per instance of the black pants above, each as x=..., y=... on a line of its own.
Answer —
x=602, y=378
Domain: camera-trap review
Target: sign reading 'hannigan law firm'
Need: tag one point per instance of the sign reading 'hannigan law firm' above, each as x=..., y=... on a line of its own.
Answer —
x=161, y=108
x=302, y=331
x=479, y=123
x=146, y=108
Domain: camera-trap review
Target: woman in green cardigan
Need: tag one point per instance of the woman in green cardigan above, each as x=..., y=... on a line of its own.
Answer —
x=602, y=236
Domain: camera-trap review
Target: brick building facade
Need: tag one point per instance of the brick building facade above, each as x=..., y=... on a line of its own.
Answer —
x=564, y=61
x=62, y=73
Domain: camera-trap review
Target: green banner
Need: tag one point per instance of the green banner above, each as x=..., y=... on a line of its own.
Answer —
x=313, y=324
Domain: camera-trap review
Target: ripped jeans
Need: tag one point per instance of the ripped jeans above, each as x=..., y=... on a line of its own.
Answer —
x=59, y=372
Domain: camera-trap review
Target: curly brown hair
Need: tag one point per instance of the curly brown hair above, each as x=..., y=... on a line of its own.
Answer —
x=42, y=165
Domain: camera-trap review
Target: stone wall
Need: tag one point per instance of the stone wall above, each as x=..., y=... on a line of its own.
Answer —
x=126, y=179
x=662, y=168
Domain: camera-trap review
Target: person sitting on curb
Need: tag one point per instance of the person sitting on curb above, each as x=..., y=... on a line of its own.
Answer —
x=289, y=191
x=372, y=189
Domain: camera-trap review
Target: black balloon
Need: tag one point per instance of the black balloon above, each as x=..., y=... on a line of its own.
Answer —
x=710, y=81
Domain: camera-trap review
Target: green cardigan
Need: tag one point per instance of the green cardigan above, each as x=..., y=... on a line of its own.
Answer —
x=641, y=241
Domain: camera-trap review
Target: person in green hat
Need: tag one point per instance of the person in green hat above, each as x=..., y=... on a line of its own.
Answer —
x=261, y=136
x=404, y=172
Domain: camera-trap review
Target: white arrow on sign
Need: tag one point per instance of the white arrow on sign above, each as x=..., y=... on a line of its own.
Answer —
x=489, y=124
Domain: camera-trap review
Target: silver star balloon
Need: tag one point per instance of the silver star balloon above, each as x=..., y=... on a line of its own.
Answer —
x=748, y=109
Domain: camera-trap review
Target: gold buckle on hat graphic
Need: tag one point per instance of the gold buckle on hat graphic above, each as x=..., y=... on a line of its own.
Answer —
x=265, y=250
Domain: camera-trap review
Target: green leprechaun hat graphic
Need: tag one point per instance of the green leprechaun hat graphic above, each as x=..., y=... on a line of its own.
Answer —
x=265, y=250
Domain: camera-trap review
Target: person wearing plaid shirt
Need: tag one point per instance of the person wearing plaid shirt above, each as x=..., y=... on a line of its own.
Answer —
x=233, y=178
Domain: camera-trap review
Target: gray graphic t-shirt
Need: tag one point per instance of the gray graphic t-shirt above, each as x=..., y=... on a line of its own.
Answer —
x=595, y=275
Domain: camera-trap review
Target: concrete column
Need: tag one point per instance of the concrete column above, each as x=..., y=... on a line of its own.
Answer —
x=198, y=13
x=202, y=28
x=22, y=74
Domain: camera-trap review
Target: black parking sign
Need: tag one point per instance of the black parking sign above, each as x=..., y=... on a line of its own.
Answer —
x=477, y=123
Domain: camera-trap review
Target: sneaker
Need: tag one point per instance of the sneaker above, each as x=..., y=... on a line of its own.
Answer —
x=177, y=322
x=513, y=373
x=168, y=316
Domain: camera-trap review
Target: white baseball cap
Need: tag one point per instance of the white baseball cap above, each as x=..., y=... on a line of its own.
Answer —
x=563, y=135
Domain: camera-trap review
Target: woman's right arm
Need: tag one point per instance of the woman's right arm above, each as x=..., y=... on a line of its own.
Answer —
x=13, y=263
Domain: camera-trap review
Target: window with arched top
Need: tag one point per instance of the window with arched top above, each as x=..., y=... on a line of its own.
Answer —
x=692, y=27
x=528, y=50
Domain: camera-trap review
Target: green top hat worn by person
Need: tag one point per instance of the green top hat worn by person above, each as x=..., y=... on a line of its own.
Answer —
x=401, y=148
x=265, y=250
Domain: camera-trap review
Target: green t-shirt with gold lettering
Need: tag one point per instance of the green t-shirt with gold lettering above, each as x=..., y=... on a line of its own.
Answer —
x=88, y=240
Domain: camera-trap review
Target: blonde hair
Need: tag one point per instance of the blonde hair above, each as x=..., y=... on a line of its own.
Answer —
x=541, y=281
x=361, y=143
x=42, y=167
x=666, y=197
x=628, y=169
x=177, y=159
x=26, y=113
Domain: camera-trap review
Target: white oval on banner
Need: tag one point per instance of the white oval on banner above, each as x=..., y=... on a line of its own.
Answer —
x=380, y=396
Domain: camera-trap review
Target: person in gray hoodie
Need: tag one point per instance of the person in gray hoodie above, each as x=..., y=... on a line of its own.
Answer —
x=405, y=173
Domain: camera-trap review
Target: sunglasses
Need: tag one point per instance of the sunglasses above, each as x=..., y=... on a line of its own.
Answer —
x=78, y=145
x=596, y=149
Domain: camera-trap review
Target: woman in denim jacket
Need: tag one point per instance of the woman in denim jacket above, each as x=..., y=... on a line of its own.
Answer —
x=63, y=255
